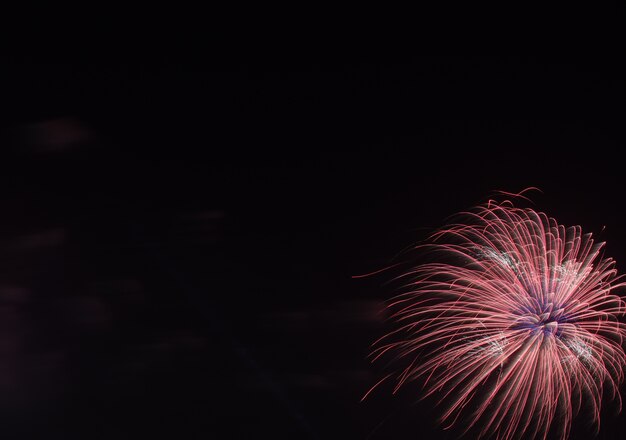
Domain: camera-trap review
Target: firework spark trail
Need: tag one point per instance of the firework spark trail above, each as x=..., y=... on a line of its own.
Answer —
x=513, y=324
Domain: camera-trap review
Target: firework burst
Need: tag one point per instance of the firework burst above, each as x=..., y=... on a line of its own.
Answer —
x=512, y=323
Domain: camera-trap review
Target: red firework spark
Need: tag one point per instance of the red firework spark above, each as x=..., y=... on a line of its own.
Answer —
x=513, y=324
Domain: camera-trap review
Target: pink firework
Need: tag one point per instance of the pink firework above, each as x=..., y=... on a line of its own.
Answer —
x=512, y=323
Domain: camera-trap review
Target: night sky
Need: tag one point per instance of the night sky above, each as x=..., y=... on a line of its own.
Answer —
x=181, y=224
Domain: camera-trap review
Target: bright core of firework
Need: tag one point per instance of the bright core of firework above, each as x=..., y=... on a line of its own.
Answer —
x=512, y=322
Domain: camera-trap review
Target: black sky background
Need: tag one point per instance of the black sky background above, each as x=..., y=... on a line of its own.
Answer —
x=203, y=212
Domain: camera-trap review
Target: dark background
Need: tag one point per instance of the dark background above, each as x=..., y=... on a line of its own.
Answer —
x=180, y=222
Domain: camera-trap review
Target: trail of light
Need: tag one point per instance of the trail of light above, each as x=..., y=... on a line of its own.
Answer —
x=513, y=320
